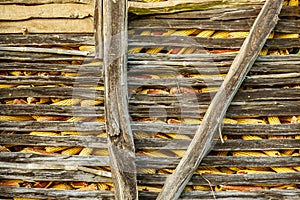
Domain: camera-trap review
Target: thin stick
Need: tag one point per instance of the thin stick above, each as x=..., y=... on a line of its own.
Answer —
x=202, y=142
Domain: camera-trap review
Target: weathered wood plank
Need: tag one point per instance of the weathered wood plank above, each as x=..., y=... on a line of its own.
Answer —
x=53, y=194
x=98, y=23
x=210, y=43
x=33, y=2
x=52, y=92
x=120, y=138
x=46, y=80
x=44, y=110
x=25, y=139
x=143, y=8
x=228, y=129
x=236, y=109
x=51, y=175
x=95, y=127
x=48, y=11
x=283, y=26
x=149, y=162
x=228, y=13
x=266, y=94
x=228, y=145
x=45, y=50
x=46, y=39
x=232, y=179
x=148, y=143
x=48, y=26
x=203, y=139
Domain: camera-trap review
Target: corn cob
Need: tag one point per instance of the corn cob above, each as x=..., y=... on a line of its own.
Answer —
x=274, y=120
x=16, y=73
x=62, y=186
x=15, y=118
x=90, y=102
x=297, y=168
x=283, y=169
x=294, y=3
x=158, y=49
x=287, y=152
x=7, y=85
x=92, y=186
x=229, y=121
x=69, y=74
x=247, y=171
x=179, y=153
x=226, y=170
x=205, y=33
x=87, y=48
x=210, y=89
x=201, y=187
x=285, y=2
x=142, y=135
x=55, y=149
x=251, y=137
x=248, y=153
x=70, y=133
x=72, y=151
x=221, y=34
x=43, y=133
x=178, y=136
x=250, y=121
x=238, y=34
x=147, y=171
x=222, y=153
x=191, y=121
x=149, y=188
x=240, y=188
x=103, y=186
x=20, y=198
x=86, y=151
x=157, y=153
x=77, y=119
x=101, y=152
x=272, y=153
x=67, y=102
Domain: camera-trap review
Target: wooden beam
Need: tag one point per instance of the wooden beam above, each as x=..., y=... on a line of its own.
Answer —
x=120, y=138
x=98, y=21
x=33, y=2
x=202, y=142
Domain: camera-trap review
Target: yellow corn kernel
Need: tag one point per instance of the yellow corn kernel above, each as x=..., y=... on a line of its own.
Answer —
x=158, y=49
x=229, y=121
x=248, y=171
x=201, y=187
x=149, y=188
x=205, y=33
x=191, y=121
x=226, y=170
x=248, y=153
x=16, y=73
x=55, y=149
x=272, y=153
x=288, y=152
x=77, y=119
x=90, y=102
x=7, y=85
x=101, y=152
x=72, y=151
x=297, y=168
x=9, y=102
x=235, y=168
x=67, y=102
x=221, y=34
x=285, y=3
x=250, y=121
x=166, y=171
x=238, y=34
x=188, y=188
x=87, y=48
x=251, y=137
x=184, y=32
x=69, y=74
x=274, y=120
x=284, y=35
x=43, y=133
x=62, y=186
x=283, y=169
x=161, y=135
x=103, y=186
x=179, y=153
x=210, y=89
x=15, y=118
x=86, y=151
x=102, y=135
x=297, y=137
x=70, y=133
x=222, y=153
x=294, y=3
x=263, y=52
x=147, y=171
x=178, y=136
x=20, y=198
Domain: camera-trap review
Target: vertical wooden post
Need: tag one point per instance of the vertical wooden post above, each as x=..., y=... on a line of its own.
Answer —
x=212, y=121
x=111, y=45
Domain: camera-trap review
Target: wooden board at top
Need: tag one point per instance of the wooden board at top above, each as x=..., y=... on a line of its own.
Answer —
x=28, y=2
x=85, y=25
x=20, y=12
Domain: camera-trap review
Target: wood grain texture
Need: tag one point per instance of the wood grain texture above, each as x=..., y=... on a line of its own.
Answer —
x=143, y=8
x=120, y=138
x=201, y=143
x=48, y=11
x=48, y=26
x=33, y=2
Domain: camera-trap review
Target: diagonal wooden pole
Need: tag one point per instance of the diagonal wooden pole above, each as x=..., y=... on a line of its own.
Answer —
x=202, y=141
x=111, y=45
